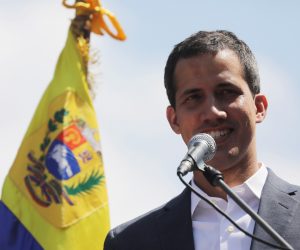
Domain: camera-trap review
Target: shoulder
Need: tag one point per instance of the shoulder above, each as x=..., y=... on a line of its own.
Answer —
x=142, y=232
x=274, y=182
x=280, y=207
x=135, y=226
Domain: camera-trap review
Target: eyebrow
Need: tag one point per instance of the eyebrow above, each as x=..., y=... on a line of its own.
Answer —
x=226, y=84
x=191, y=91
x=197, y=90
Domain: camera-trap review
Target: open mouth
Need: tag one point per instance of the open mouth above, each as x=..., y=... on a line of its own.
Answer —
x=219, y=134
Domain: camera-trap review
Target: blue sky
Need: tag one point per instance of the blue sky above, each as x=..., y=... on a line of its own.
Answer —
x=141, y=153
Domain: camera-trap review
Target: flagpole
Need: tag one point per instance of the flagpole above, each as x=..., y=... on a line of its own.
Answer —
x=90, y=18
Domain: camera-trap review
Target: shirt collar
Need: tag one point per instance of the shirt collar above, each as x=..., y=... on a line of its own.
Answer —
x=254, y=184
x=257, y=181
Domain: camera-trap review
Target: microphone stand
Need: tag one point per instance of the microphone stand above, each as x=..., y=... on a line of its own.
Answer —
x=215, y=178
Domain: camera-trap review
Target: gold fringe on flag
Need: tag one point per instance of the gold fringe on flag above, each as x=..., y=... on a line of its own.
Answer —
x=90, y=18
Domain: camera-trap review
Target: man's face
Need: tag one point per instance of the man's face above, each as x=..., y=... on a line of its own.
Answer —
x=213, y=97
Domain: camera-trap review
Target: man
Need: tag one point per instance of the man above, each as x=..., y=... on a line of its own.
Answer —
x=212, y=83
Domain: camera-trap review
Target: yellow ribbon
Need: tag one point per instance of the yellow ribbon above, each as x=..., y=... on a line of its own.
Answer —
x=97, y=12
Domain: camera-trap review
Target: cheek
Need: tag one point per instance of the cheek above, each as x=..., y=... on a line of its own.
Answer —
x=234, y=151
x=245, y=108
x=241, y=101
x=189, y=125
x=243, y=111
x=245, y=103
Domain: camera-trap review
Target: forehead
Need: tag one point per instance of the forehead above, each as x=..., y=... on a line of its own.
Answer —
x=208, y=68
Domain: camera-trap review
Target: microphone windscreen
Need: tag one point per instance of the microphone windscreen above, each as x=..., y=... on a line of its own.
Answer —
x=206, y=138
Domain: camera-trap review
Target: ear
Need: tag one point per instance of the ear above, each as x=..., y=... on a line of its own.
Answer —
x=172, y=118
x=261, y=104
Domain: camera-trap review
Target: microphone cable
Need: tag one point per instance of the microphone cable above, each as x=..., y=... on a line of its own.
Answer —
x=180, y=175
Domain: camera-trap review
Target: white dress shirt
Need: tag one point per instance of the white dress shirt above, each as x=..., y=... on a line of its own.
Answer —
x=211, y=230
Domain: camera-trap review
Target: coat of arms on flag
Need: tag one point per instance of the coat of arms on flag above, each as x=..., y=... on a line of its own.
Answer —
x=64, y=167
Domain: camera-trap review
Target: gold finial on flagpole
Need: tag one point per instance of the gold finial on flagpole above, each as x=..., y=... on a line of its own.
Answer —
x=94, y=15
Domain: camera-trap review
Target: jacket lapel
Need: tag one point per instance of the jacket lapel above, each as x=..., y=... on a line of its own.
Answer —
x=277, y=208
x=174, y=224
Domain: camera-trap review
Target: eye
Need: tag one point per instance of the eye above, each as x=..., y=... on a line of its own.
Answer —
x=227, y=93
x=193, y=98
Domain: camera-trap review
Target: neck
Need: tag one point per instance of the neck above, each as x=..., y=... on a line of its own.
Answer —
x=233, y=176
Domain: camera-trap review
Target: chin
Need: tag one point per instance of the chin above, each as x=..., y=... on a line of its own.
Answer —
x=224, y=160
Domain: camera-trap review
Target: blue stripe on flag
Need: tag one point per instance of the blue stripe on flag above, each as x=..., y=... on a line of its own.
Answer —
x=13, y=235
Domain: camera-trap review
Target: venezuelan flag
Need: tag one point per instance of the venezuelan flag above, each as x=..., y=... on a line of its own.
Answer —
x=54, y=196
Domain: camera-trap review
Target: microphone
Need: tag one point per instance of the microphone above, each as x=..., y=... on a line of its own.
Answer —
x=201, y=148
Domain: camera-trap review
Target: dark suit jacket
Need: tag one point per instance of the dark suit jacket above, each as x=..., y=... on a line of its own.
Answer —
x=170, y=227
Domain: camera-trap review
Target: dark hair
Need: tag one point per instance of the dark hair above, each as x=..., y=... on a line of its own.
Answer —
x=205, y=42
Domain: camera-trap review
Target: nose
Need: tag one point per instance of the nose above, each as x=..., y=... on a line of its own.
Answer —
x=213, y=111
